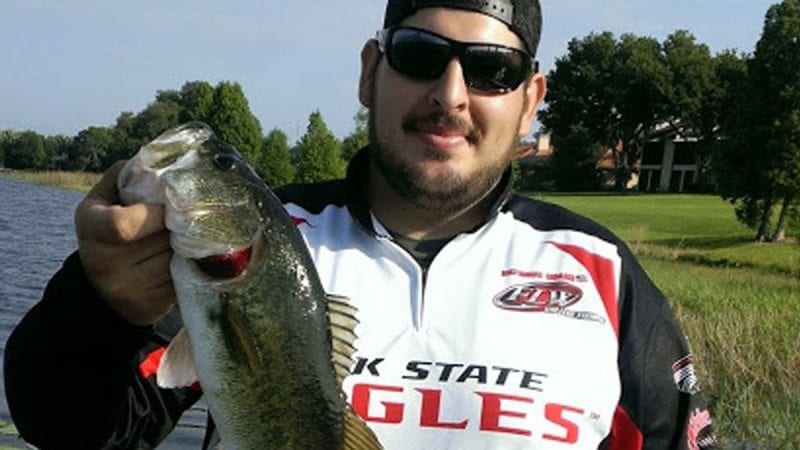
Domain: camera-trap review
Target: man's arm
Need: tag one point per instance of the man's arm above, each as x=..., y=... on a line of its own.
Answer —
x=72, y=373
x=72, y=365
x=661, y=404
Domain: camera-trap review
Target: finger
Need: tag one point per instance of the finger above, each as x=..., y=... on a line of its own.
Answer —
x=100, y=217
x=151, y=305
x=153, y=271
x=117, y=224
x=153, y=246
x=137, y=221
x=105, y=190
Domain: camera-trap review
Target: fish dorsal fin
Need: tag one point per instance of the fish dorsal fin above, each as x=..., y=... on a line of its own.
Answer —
x=177, y=368
x=357, y=435
x=342, y=317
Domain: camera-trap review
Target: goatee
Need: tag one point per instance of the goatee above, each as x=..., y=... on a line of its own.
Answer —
x=445, y=193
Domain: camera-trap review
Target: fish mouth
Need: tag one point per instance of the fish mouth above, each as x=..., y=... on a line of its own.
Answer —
x=225, y=266
x=208, y=256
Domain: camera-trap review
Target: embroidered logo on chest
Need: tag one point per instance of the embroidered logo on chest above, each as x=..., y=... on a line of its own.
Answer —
x=545, y=297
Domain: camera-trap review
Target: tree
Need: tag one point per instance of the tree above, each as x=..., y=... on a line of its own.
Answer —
x=759, y=168
x=574, y=166
x=319, y=154
x=7, y=138
x=57, y=150
x=126, y=142
x=693, y=94
x=131, y=131
x=197, y=101
x=233, y=121
x=641, y=86
x=718, y=106
x=613, y=92
x=158, y=116
x=359, y=138
x=26, y=150
x=275, y=165
x=580, y=97
x=89, y=147
x=691, y=69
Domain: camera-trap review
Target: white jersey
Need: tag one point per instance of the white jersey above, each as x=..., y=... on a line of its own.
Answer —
x=538, y=330
x=511, y=343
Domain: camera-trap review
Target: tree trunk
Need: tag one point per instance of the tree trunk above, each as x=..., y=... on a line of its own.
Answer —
x=763, y=228
x=619, y=167
x=626, y=160
x=780, y=230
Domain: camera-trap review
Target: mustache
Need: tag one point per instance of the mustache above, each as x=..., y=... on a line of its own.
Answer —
x=440, y=120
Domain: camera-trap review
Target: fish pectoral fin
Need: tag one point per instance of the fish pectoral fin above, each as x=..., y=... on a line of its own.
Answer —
x=357, y=435
x=342, y=317
x=177, y=368
x=239, y=337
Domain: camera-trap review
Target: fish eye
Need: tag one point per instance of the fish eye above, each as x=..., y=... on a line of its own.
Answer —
x=225, y=161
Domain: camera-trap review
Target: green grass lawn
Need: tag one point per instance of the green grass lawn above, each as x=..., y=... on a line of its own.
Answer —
x=692, y=228
x=738, y=302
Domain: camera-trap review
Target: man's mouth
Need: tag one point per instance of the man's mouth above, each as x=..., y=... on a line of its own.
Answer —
x=439, y=138
x=441, y=130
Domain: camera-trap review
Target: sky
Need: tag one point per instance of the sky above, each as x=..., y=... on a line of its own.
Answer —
x=66, y=65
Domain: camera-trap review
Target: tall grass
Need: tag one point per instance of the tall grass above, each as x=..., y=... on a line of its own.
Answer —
x=738, y=302
x=76, y=181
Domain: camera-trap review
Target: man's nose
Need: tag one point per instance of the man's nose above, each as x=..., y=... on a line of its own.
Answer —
x=450, y=91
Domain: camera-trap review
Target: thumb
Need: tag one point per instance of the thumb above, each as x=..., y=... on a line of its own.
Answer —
x=105, y=190
x=99, y=217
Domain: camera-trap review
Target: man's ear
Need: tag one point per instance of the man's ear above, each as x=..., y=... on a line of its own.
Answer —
x=370, y=55
x=534, y=95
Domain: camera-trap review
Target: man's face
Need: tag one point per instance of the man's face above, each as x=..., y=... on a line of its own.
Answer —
x=438, y=143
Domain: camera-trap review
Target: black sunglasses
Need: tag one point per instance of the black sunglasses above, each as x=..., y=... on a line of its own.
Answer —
x=424, y=55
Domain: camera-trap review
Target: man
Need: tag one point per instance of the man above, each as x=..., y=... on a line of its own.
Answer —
x=487, y=320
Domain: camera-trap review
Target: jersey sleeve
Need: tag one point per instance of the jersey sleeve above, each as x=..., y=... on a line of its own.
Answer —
x=661, y=405
x=76, y=373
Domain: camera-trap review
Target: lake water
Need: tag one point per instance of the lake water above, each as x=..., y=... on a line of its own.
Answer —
x=36, y=235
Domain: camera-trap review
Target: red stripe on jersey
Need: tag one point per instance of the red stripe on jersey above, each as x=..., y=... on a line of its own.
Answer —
x=602, y=272
x=149, y=366
x=625, y=435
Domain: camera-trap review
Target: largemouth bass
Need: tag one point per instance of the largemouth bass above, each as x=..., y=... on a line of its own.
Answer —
x=269, y=348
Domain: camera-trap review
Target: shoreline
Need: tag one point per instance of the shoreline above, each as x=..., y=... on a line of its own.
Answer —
x=72, y=181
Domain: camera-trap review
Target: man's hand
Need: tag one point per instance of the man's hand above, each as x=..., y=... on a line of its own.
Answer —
x=125, y=252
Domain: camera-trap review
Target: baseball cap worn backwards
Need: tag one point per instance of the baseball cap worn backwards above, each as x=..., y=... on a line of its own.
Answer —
x=524, y=17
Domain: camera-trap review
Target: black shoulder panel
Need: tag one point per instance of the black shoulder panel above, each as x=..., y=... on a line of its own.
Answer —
x=313, y=197
x=547, y=217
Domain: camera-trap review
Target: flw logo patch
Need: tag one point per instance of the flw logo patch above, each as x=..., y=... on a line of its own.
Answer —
x=545, y=297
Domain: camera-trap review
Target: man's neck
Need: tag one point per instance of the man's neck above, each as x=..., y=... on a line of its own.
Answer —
x=405, y=218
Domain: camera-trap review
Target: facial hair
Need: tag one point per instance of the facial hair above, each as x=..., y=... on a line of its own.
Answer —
x=447, y=193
